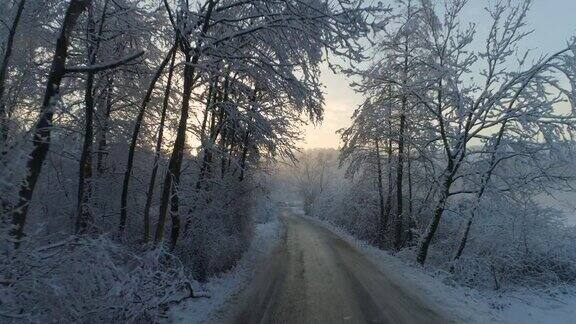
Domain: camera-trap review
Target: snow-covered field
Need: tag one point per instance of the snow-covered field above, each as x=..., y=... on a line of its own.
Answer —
x=510, y=307
x=221, y=290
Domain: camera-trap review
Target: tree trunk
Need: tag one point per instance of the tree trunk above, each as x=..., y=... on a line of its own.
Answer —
x=225, y=152
x=388, y=205
x=463, y=240
x=399, y=180
x=210, y=100
x=481, y=191
x=85, y=173
x=410, y=193
x=412, y=225
x=3, y=75
x=246, y=140
x=83, y=215
x=104, y=127
x=382, y=218
x=216, y=126
x=244, y=156
x=172, y=178
x=433, y=226
x=448, y=175
x=43, y=127
x=400, y=167
x=224, y=136
x=152, y=183
x=134, y=140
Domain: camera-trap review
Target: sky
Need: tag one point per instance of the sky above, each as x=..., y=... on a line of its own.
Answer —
x=553, y=21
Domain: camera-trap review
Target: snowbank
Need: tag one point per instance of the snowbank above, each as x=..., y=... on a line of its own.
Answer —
x=221, y=290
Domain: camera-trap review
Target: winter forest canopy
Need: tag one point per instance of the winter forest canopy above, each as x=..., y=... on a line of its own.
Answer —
x=142, y=142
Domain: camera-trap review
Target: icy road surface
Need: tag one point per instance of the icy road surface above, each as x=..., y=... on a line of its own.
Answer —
x=314, y=276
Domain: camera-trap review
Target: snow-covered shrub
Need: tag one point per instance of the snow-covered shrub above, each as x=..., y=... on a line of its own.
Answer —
x=89, y=280
x=350, y=205
x=219, y=231
x=519, y=244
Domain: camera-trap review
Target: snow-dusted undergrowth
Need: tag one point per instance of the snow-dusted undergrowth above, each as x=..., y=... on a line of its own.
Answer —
x=90, y=280
x=222, y=289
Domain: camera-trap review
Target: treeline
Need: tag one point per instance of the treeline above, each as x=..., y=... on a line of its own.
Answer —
x=457, y=144
x=128, y=126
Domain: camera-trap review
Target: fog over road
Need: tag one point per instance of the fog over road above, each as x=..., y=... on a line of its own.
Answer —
x=314, y=276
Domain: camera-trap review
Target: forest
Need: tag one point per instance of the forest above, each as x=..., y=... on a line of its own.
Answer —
x=143, y=144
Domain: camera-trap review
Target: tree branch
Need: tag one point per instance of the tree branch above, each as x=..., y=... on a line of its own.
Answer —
x=104, y=66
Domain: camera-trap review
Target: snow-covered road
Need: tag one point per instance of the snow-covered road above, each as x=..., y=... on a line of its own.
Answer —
x=314, y=276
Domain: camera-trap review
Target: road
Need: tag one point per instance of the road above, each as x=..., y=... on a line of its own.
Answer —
x=314, y=276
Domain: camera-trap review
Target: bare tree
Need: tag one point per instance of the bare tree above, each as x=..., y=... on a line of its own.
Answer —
x=42, y=132
x=4, y=74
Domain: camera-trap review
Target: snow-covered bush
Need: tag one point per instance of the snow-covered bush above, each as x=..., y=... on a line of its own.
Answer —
x=519, y=244
x=350, y=204
x=90, y=280
x=219, y=229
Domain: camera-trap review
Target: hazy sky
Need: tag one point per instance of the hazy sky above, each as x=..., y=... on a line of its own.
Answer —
x=553, y=21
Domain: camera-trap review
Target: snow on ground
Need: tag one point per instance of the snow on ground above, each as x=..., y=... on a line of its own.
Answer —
x=470, y=305
x=223, y=288
x=529, y=307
